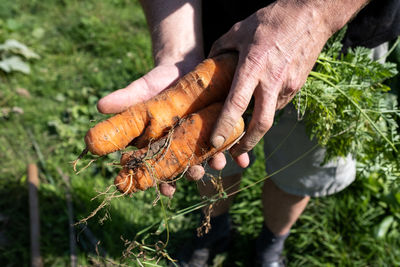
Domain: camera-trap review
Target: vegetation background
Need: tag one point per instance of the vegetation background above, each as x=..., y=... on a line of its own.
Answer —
x=88, y=49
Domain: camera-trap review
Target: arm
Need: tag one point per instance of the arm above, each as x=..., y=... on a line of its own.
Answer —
x=176, y=33
x=175, y=29
x=278, y=46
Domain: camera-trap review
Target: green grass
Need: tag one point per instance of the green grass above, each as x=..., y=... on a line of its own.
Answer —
x=88, y=49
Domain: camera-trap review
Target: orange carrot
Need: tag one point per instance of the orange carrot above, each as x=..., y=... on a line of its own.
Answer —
x=186, y=145
x=208, y=83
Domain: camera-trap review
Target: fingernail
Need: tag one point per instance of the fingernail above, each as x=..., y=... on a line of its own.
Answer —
x=218, y=141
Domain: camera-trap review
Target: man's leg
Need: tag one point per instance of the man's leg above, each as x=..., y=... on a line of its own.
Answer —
x=280, y=209
x=287, y=192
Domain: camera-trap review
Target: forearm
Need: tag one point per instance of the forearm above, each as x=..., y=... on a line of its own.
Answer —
x=300, y=24
x=338, y=13
x=331, y=14
x=175, y=28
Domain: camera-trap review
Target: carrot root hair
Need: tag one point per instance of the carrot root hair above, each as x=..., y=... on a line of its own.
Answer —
x=83, y=153
x=186, y=145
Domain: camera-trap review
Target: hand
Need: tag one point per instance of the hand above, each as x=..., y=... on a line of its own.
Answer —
x=277, y=46
x=143, y=89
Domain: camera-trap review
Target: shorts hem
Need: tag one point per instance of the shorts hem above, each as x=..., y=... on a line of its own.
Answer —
x=305, y=193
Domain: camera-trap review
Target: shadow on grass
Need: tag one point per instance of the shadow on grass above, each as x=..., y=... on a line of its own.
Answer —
x=54, y=242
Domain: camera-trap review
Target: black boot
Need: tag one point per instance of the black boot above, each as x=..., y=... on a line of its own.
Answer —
x=269, y=249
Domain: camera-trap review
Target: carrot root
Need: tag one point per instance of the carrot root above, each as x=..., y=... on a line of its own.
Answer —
x=165, y=159
x=208, y=83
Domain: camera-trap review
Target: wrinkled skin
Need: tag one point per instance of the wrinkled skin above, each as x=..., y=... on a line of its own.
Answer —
x=276, y=53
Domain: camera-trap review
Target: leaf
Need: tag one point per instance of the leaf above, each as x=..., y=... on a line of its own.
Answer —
x=384, y=226
x=14, y=63
x=161, y=227
x=16, y=47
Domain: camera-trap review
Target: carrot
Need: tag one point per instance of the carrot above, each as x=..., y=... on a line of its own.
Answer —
x=186, y=145
x=208, y=83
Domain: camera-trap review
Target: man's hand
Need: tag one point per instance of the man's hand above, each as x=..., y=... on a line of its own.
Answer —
x=278, y=46
x=143, y=89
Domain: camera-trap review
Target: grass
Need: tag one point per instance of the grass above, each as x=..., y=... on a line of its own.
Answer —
x=88, y=49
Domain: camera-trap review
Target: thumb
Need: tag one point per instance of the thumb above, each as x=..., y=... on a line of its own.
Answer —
x=139, y=90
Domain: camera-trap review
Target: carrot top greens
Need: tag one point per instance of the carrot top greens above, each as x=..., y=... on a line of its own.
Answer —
x=347, y=108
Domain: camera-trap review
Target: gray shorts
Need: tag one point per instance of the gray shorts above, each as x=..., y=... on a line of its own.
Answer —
x=284, y=144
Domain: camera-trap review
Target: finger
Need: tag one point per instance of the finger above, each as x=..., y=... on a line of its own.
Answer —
x=195, y=173
x=237, y=101
x=242, y=160
x=168, y=189
x=121, y=99
x=140, y=90
x=261, y=121
x=218, y=161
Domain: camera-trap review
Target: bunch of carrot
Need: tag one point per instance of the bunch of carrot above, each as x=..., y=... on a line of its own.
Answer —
x=171, y=130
